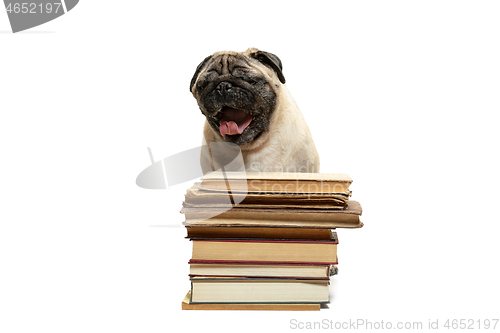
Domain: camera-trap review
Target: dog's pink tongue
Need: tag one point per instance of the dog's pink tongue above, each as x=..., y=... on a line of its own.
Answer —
x=234, y=121
x=228, y=128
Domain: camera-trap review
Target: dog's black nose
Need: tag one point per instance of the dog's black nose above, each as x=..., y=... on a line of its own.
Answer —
x=224, y=86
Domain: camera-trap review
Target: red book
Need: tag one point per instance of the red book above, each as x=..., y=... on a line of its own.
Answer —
x=266, y=251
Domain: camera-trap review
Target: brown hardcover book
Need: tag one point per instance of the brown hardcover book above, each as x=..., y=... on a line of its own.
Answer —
x=252, y=223
x=255, y=232
x=186, y=305
x=349, y=216
x=276, y=182
x=257, y=250
x=196, y=198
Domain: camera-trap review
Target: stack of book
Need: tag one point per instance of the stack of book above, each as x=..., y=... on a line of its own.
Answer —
x=265, y=241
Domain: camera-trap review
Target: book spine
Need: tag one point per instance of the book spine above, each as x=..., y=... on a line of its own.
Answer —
x=284, y=263
x=260, y=277
x=263, y=240
x=200, y=261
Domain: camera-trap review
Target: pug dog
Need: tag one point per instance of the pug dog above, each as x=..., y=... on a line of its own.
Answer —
x=246, y=103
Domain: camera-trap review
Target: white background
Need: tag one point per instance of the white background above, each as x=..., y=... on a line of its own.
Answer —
x=402, y=96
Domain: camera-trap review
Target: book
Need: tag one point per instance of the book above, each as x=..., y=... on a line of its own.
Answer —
x=187, y=305
x=215, y=222
x=195, y=197
x=276, y=182
x=259, y=250
x=275, y=270
x=349, y=216
x=195, y=231
x=255, y=290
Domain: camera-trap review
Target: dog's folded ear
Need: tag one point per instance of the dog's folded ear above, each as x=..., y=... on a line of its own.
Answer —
x=272, y=61
x=197, y=72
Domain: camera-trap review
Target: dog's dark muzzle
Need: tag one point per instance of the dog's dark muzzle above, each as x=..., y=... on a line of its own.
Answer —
x=225, y=83
x=224, y=87
x=235, y=93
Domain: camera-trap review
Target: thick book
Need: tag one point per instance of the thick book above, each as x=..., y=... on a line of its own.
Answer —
x=258, y=250
x=270, y=270
x=348, y=216
x=187, y=305
x=254, y=290
x=256, y=232
x=276, y=182
x=195, y=197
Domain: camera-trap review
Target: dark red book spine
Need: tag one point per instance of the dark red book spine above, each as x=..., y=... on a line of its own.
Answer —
x=240, y=262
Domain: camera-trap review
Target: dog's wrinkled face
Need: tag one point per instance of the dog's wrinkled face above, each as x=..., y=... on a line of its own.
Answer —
x=237, y=94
